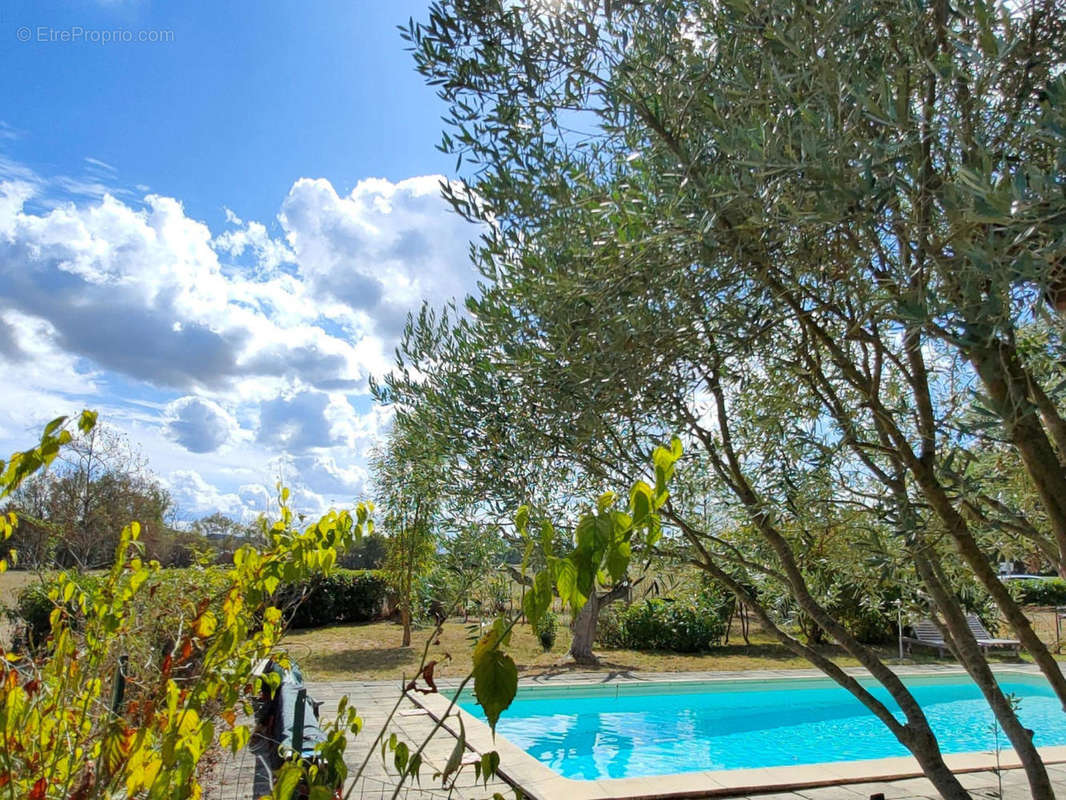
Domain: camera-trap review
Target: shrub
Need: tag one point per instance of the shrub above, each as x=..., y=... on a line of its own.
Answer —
x=175, y=702
x=166, y=594
x=664, y=624
x=346, y=595
x=1049, y=592
x=869, y=619
x=547, y=630
x=609, y=627
x=435, y=594
x=362, y=593
x=31, y=614
x=868, y=614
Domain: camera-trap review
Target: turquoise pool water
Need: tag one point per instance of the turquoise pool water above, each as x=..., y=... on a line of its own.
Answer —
x=625, y=731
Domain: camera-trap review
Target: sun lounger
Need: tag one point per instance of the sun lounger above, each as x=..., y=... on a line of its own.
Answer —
x=928, y=634
x=987, y=640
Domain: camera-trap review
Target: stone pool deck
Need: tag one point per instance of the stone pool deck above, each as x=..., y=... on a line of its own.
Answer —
x=374, y=700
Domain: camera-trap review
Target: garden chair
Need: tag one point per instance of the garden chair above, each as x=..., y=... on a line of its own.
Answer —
x=987, y=640
x=928, y=634
x=286, y=725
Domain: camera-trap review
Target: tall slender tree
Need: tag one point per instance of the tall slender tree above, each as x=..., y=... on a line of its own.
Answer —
x=408, y=478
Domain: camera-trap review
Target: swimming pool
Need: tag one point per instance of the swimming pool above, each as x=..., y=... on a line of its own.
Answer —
x=628, y=730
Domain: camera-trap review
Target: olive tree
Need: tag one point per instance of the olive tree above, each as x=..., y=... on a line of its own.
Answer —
x=489, y=430
x=848, y=211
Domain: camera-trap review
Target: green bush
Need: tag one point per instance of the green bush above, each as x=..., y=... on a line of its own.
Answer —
x=346, y=595
x=31, y=614
x=664, y=624
x=869, y=619
x=547, y=630
x=1049, y=592
x=866, y=613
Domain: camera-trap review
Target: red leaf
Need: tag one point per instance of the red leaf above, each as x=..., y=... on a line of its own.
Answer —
x=427, y=676
x=37, y=792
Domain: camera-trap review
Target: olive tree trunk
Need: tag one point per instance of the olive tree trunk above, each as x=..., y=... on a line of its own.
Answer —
x=583, y=626
x=915, y=734
x=958, y=635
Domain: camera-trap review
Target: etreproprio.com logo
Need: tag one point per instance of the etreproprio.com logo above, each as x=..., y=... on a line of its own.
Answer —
x=76, y=34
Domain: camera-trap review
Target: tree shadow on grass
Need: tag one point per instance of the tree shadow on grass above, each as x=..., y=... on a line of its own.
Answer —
x=363, y=660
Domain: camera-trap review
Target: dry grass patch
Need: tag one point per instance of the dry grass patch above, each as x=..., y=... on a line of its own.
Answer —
x=372, y=652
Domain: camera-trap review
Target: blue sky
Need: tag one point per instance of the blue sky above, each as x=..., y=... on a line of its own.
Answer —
x=213, y=236
x=248, y=97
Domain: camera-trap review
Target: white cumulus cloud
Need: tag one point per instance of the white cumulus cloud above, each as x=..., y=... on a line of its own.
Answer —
x=200, y=425
x=236, y=356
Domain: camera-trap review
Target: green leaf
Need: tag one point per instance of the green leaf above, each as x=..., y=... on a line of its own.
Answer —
x=547, y=537
x=87, y=421
x=521, y=519
x=414, y=767
x=490, y=762
x=400, y=756
x=640, y=502
x=52, y=427
x=495, y=684
x=618, y=558
x=538, y=598
x=456, y=758
x=288, y=779
x=566, y=583
x=585, y=533
x=655, y=531
x=605, y=501
x=494, y=637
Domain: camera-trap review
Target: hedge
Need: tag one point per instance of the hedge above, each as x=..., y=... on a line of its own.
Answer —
x=347, y=595
x=1045, y=592
x=32, y=611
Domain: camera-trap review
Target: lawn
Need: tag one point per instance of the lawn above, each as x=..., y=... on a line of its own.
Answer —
x=372, y=652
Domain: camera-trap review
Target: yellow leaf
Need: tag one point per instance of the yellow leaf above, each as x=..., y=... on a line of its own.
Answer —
x=206, y=625
x=142, y=769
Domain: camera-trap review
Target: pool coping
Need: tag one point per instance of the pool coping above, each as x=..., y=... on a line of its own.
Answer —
x=540, y=782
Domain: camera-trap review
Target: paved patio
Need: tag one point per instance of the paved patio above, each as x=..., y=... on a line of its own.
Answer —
x=374, y=700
